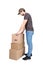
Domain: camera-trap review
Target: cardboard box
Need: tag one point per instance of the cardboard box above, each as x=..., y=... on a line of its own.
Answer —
x=18, y=38
x=17, y=46
x=16, y=54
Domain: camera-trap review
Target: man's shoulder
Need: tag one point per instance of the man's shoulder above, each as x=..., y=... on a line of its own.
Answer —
x=27, y=14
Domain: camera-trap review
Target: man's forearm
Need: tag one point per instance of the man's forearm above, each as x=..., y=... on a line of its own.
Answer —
x=21, y=30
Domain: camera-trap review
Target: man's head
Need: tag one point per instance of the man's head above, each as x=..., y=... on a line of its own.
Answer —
x=21, y=11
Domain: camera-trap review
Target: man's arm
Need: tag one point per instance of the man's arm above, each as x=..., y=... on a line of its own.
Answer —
x=22, y=28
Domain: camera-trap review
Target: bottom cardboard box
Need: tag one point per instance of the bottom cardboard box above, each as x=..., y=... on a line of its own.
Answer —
x=16, y=54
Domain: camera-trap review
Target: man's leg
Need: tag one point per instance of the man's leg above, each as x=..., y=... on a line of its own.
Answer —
x=29, y=42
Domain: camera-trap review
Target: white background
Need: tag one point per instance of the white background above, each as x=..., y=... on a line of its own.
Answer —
x=10, y=23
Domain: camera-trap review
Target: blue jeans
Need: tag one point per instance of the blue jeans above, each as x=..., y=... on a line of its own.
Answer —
x=29, y=35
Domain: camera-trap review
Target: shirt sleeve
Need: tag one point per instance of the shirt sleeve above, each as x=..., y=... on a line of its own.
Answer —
x=26, y=16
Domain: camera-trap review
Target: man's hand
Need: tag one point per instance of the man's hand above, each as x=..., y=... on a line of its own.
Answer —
x=18, y=33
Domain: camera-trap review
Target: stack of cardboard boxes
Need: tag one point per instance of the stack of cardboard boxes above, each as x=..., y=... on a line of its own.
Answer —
x=17, y=47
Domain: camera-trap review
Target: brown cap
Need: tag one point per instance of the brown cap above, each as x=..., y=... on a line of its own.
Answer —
x=20, y=10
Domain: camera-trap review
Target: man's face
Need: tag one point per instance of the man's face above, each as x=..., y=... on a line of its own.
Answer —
x=22, y=13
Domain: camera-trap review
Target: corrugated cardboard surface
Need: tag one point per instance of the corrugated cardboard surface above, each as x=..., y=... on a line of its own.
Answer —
x=16, y=54
x=17, y=46
x=17, y=38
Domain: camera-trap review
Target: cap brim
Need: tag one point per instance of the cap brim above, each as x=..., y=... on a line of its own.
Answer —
x=18, y=13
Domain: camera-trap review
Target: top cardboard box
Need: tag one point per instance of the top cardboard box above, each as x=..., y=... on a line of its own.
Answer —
x=18, y=38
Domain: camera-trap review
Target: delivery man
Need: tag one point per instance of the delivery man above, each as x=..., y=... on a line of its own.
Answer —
x=27, y=25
